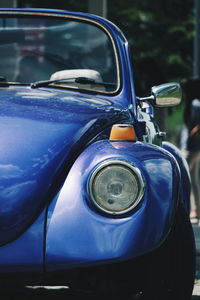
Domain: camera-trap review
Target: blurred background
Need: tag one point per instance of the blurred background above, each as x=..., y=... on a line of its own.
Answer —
x=163, y=39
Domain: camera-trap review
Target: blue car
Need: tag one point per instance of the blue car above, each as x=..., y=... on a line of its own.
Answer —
x=91, y=194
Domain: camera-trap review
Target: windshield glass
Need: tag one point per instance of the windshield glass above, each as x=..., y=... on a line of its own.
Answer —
x=44, y=48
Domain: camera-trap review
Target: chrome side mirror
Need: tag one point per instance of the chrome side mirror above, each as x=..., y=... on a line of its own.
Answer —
x=166, y=95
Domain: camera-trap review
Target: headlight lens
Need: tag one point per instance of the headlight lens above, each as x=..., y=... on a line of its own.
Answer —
x=116, y=186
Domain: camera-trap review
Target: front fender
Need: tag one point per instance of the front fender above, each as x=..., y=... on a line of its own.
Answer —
x=78, y=235
x=185, y=188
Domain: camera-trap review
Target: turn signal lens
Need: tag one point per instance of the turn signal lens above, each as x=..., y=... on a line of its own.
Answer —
x=121, y=132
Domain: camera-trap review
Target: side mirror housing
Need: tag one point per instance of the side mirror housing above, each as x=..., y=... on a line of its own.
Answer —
x=166, y=95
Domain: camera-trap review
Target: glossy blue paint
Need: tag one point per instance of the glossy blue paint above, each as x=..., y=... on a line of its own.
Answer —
x=26, y=253
x=49, y=146
x=185, y=188
x=72, y=220
x=41, y=131
x=126, y=96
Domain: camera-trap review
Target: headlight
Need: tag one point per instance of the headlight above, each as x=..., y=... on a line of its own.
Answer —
x=116, y=186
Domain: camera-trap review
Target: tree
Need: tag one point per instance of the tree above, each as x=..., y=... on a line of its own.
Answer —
x=160, y=32
x=160, y=35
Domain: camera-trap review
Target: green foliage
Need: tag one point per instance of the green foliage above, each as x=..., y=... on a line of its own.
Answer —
x=157, y=30
x=160, y=35
x=161, y=31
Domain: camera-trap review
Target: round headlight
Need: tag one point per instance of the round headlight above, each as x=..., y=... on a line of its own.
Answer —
x=116, y=186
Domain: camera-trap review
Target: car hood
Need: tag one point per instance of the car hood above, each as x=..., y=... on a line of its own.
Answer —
x=41, y=133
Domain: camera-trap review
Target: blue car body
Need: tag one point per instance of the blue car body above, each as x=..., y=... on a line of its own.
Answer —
x=52, y=140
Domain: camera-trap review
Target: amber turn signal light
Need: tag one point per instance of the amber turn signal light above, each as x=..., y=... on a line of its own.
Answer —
x=120, y=132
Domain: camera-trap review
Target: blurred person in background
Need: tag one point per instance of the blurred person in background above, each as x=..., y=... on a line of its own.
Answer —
x=190, y=142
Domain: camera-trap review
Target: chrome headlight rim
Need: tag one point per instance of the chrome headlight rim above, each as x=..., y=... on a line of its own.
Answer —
x=136, y=172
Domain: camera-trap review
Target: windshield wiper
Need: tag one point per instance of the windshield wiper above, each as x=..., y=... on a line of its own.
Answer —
x=2, y=78
x=3, y=81
x=81, y=80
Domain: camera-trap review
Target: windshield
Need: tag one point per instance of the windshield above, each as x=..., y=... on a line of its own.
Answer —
x=45, y=48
